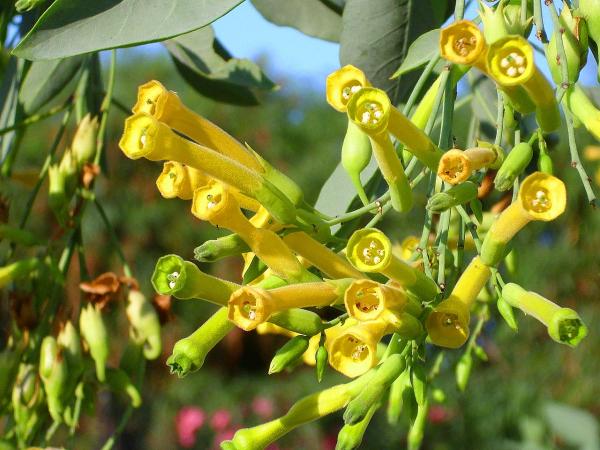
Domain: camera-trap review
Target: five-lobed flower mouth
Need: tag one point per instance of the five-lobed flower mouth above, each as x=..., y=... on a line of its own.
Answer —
x=351, y=354
x=171, y=179
x=169, y=274
x=151, y=99
x=543, y=196
x=454, y=167
x=248, y=307
x=210, y=200
x=138, y=138
x=369, y=250
x=448, y=324
x=342, y=84
x=462, y=42
x=370, y=109
x=510, y=60
x=364, y=300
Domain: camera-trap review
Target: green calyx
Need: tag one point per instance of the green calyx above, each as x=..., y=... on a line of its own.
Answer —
x=287, y=355
x=514, y=164
x=575, y=44
x=456, y=195
x=215, y=249
x=356, y=155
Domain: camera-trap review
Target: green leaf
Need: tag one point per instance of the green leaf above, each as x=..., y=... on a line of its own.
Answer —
x=73, y=27
x=576, y=427
x=421, y=51
x=203, y=62
x=376, y=36
x=45, y=79
x=311, y=17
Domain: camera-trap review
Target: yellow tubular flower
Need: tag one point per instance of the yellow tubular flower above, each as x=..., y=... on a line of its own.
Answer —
x=462, y=42
x=342, y=84
x=145, y=137
x=541, y=197
x=324, y=259
x=510, y=62
x=307, y=409
x=250, y=306
x=155, y=100
x=457, y=166
x=448, y=324
x=564, y=325
x=368, y=300
x=215, y=204
x=354, y=351
x=369, y=250
x=372, y=111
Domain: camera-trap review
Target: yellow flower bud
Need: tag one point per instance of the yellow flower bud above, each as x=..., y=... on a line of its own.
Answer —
x=250, y=306
x=448, y=324
x=215, y=204
x=342, y=84
x=369, y=250
x=155, y=100
x=457, y=166
x=541, y=197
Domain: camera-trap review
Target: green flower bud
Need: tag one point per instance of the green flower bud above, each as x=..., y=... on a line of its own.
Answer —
x=514, y=164
x=480, y=352
x=463, y=370
x=575, y=44
x=54, y=375
x=356, y=155
x=590, y=11
x=299, y=321
x=118, y=381
x=321, y=361
x=182, y=279
x=456, y=195
x=27, y=397
x=16, y=270
x=396, y=397
x=94, y=332
x=145, y=325
x=84, y=141
x=291, y=351
x=70, y=348
x=507, y=313
x=418, y=380
x=70, y=172
x=417, y=428
x=494, y=23
x=545, y=164
x=351, y=436
x=386, y=373
x=438, y=395
x=215, y=249
x=27, y=5
x=189, y=353
x=57, y=195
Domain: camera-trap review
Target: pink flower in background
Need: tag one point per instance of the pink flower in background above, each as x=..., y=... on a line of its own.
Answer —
x=329, y=442
x=220, y=420
x=189, y=420
x=263, y=407
x=438, y=414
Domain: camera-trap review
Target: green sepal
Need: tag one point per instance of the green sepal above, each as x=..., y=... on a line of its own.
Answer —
x=507, y=313
x=288, y=354
x=321, y=362
x=456, y=195
x=93, y=330
x=222, y=247
x=418, y=380
x=356, y=155
x=462, y=371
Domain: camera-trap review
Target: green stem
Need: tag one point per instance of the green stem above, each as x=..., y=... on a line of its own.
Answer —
x=35, y=118
x=539, y=22
x=114, y=239
x=122, y=424
x=499, y=119
x=576, y=161
x=105, y=106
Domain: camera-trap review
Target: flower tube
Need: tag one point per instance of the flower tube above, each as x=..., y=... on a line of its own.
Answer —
x=307, y=409
x=371, y=110
x=580, y=105
x=448, y=324
x=564, y=325
x=541, y=197
x=215, y=204
x=324, y=259
x=456, y=166
x=145, y=137
x=183, y=280
x=250, y=306
x=368, y=300
x=510, y=62
x=165, y=106
x=463, y=43
x=369, y=250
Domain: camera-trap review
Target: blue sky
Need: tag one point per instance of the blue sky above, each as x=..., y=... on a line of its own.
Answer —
x=301, y=59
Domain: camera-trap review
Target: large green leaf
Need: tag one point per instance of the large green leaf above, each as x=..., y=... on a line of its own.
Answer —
x=209, y=68
x=45, y=79
x=421, y=51
x=311, y=17
x=73, y=27
x=376, y=37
